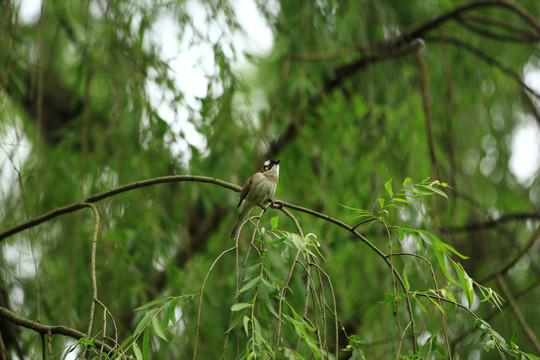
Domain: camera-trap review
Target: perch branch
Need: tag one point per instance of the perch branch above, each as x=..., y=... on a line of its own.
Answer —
x=104, y=195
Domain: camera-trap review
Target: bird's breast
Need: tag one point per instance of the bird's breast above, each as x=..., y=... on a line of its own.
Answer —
x=262, y=189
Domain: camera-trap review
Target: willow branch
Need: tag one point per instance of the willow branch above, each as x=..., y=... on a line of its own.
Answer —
x=458, y=11
x=509, y=28
x=48, y=329
x=470, y=23
x=382, y=255
x=93, y=266
x=107, y=194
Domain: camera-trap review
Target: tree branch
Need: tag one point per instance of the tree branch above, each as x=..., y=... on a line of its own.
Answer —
x=504, y=268
x=48, y=329
x=519, y=316
x=121, y=189
x=491, y=223
x=489, y=60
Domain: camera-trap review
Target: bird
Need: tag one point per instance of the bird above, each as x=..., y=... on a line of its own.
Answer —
x=258, y=190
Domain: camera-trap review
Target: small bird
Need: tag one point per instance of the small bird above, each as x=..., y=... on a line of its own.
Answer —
x=257, y=191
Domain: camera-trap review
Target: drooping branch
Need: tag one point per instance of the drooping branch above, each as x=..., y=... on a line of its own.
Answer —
x=49, y=329
x=375, y=249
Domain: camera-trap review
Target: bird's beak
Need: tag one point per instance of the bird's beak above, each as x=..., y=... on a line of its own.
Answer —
x=277, y=161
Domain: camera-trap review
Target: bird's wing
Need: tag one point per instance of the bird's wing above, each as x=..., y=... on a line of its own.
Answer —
x=245, y=191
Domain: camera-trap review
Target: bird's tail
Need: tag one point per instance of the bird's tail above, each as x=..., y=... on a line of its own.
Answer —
x=242, y=216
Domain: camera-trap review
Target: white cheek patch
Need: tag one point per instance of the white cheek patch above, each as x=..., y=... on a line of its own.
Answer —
x=267, y=163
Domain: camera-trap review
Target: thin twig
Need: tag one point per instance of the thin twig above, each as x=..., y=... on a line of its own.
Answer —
x=433, y=277
x=201, y=298
x=282, y=297
x=93, y=266
x=370, y=245
x=401, y=339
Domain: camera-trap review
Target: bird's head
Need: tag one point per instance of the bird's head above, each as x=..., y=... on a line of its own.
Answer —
x=271, y=165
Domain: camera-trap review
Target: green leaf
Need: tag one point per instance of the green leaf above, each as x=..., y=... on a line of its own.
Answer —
x=407, y=181
x=381, y=202
x=466, y=282
x=249, y=285
x=146, y=345
x=420, y=305
x=122, y=346
x=137, y=351
x=394, y=206
x=87, y=342
x=145, y=321
x=451, y=249
x=246, y=325
x=513, y=340
x=406, y=279
x=401, y=235
x=438, y=191
x=426, y=236
x=388, y=299
x=402, y=200
x=157, y=328
x=167, y=316
x=388, y=187
x=153, y=302
x=235, y=322
x=275, y=222
x=436, y=303
x=240, y=306
x=441, y=259
x=418, y=190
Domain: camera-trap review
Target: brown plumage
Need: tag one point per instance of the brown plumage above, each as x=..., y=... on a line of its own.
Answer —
x=257, y=191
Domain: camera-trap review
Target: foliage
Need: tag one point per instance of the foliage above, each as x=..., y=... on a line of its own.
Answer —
x=351, y=96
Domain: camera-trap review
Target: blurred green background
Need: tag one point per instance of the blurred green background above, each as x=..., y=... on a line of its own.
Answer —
x=347, y=94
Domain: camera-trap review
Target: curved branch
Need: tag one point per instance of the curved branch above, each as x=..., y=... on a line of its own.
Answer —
x=48, y=329
x=488, y=59
x=491, y=223
x=470, y=23
x=458, y=11
x=504, y=268
x=121, y=189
